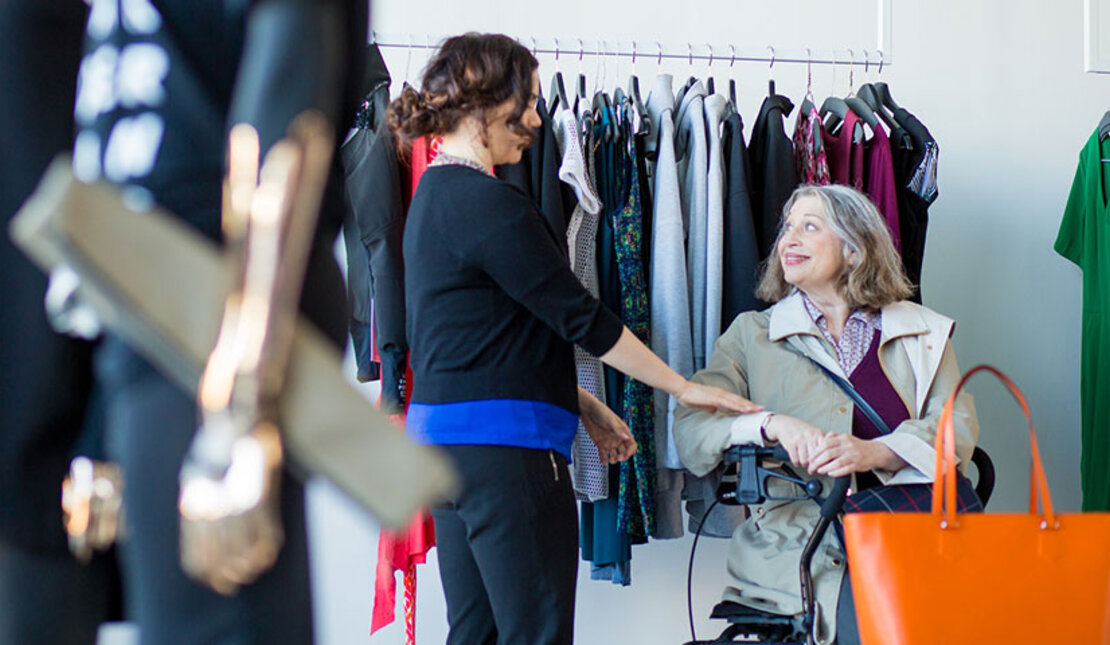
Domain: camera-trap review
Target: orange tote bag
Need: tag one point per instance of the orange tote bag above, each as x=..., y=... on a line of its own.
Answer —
x=946, y=578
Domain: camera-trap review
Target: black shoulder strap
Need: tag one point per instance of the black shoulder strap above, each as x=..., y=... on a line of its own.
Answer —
x=860, y=402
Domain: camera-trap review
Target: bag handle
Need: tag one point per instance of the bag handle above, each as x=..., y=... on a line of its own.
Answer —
x=944, y=475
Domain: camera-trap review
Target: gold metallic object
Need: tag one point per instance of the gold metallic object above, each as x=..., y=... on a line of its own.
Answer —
x=92, y=506
x=230, y=483
x=155, y=282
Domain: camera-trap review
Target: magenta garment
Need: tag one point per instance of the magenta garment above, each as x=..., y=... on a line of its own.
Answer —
x=845, y=157
x=880, y=182
x=810, y=158
x=875, y=388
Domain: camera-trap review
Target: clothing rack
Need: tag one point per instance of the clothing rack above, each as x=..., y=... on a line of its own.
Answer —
x=657, y=51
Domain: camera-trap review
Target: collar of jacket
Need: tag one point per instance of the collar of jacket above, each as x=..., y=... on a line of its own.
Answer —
x=775, y=102
x=693, y=96
x=924, y=334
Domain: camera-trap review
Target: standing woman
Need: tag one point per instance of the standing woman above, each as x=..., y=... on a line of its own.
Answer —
x=494, y=311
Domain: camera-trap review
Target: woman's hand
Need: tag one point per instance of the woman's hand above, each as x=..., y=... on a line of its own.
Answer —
x=801, y=440
x=842, y=454
x=713, y=399
x=608, y=431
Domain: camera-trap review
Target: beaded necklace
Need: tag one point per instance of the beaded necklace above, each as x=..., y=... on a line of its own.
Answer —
x=445, y=159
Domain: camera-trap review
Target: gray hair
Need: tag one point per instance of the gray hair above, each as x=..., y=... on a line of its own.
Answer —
x=875, y=278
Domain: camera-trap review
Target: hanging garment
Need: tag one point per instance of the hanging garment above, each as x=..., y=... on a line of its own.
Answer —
x=915, y=155
x=671, y=334
x=608, y=550
x=359, y=148
x=880, y=182
x=400, y=551
x=810, y=159
x=403, y=550
x=537, y=174
x=741, y=254
x=773, y=173
x=604, y=544
x=845, y=154
x=636, y=502
x=591, y=476
x=692, y=152
x=372, y=231
x=717, y=109
x=1084, y=239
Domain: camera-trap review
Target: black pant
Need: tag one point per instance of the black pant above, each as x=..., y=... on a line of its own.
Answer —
x=50, y=598
x=508, y=547
x=150, y=426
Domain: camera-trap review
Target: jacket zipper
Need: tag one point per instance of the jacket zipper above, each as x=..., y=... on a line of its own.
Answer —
x=554, y=467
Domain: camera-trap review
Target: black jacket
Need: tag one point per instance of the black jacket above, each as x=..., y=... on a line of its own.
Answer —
x=909, y=140
x=773, y=174
x=741, y=253
x=372, y=230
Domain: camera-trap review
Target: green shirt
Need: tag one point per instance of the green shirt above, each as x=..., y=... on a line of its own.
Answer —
x=1084, y=240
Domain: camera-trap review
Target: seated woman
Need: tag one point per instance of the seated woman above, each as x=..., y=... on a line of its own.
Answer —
x=839, y=292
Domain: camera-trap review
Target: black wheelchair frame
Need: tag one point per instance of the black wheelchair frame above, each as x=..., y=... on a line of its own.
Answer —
x=745, y=482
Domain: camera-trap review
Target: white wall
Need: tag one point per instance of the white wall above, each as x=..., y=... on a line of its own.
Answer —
x=999, y=83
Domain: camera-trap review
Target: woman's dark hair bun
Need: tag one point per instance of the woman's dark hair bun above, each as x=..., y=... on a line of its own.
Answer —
x=466, y=76
x=409, y=116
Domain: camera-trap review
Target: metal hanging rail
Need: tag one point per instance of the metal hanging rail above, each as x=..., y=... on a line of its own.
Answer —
x=656, y=51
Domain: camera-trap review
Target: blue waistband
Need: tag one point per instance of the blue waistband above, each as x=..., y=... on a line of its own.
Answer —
x=501, y=422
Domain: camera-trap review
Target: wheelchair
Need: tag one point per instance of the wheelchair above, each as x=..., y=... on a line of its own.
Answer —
x=745, y=482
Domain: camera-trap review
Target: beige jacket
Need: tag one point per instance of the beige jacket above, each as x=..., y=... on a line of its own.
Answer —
x=768, y=357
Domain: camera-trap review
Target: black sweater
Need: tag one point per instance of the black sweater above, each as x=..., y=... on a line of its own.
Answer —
x=493, y=307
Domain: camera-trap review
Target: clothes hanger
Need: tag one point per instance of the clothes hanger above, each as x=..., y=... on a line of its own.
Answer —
x=877, y=90
x=856, y=105
x=883, y=90
x=600, y=68
x=808, y=100
x=689, y=80
x=833, y=109
x=601, y=100
x=580, y=93
x=1104, y=127
x=644, y=126
x=869, y=95
x=770, y=73
x=408, y=64
x=558, y=90
x=535, y=54
x=731, y=78
x=709, y=70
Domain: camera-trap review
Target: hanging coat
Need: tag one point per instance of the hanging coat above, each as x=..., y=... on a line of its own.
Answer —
x=372, y=229
x=591, y=477
x=773, y=173
x=692, y=152
x=741, y=253
x=716, y=112
x=671, y=334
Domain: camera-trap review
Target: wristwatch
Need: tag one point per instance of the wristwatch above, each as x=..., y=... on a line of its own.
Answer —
x=763, y=427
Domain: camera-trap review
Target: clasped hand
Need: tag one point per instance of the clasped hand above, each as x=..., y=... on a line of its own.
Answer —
x=230, y=520
x=827, y=453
